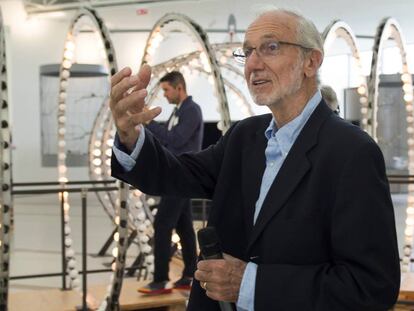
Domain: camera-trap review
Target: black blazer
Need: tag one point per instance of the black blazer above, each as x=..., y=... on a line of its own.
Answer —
x=325, y=238
x=187, y=134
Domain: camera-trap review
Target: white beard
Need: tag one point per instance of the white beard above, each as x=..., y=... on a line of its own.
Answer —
x=294, y=85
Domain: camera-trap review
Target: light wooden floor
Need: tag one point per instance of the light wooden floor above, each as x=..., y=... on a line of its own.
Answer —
x=57, y=300
x=406, y=293
x=401, y=307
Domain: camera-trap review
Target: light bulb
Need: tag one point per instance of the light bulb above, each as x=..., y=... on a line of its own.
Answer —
x=70, y=46
x=175, y=238
x=115, y=252
x=116, y=236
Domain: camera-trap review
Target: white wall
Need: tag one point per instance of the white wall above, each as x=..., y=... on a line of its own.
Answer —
x=30, y=44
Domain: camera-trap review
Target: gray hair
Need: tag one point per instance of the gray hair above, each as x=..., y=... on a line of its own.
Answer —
x=329, y=95
x=307, y=34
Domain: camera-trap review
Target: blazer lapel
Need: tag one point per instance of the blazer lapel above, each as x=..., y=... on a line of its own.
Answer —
x=294, y=168
x=254, y=163
x=173, y=113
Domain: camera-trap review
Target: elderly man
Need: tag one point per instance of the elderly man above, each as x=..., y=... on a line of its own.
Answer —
x=300, y=199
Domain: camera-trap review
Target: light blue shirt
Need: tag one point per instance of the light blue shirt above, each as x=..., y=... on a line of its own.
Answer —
x=279, y=142
x=278, y=146
x=128, y=161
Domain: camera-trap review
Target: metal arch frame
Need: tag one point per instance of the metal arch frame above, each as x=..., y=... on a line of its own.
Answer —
x=249, y=112
x=237, y=72
x=104, y=122
x=165, y=68
x=102, y=133
x=234, y=89
x=111, y=300
x=6, y=199
x=202, y=38
x=224, y=48
x=178, y=62
x=390, y=29
x=159, y=69
x=340, y=29
x=95, y=153
x=225, y=123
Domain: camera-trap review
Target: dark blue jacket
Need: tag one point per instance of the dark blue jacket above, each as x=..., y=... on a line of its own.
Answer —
x=325, y=237
x=187, y=134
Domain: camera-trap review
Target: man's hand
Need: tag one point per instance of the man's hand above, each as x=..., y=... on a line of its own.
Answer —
x=221, y=278
x=127, y=101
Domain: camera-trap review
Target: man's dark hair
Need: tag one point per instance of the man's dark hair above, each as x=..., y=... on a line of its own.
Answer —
x=174, y=78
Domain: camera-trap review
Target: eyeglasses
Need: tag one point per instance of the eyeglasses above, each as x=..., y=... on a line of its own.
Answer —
x=265, y=49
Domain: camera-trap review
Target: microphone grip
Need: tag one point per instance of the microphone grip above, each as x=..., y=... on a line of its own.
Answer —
x=227, y=306
x=224, y=306
x=211, y=249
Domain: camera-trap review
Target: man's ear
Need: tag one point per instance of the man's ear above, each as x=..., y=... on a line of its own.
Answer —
x=313, y=60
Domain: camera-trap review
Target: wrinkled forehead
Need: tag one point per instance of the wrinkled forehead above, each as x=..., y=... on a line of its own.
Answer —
x=278, y=26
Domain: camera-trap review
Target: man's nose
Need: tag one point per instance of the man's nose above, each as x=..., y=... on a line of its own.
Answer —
x=254, y=61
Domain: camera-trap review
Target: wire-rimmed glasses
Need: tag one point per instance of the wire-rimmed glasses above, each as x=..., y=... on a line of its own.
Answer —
x=264, y=49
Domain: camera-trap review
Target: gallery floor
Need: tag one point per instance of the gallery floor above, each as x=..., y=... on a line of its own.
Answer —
x=36, y=245
x=36, y=240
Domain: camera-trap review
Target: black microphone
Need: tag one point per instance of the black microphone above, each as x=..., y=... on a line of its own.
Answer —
x=210, y=249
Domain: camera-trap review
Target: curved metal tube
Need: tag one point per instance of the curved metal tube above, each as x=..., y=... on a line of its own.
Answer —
x=339, y=29
x=390, y=29
x=6, y=199
x=111, y=300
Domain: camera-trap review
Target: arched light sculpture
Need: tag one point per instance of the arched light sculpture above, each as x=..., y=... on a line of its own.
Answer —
x=103, y=131
x=224, y=54
x=139, y=212
x=6, y=200
x=207, y=57
x=390, y=29
x=188, y=62
x=339, y=29
x=140, y=215
x=203, y=60
x=121, y=218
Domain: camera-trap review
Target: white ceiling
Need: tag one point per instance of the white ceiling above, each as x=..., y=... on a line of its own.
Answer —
x=362, y=16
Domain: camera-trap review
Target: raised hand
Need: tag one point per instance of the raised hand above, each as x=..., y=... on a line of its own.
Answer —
x=127, y=102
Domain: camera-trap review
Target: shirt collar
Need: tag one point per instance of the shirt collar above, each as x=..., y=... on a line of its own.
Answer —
x=288, y=133
x=185, y=100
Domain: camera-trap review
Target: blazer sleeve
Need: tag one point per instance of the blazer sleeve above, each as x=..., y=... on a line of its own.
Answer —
x=159, y=172
x=364, y=273
x=189, y=120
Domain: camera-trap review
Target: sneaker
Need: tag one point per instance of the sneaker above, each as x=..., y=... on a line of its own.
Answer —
x=155, y=288
x=183, y=283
